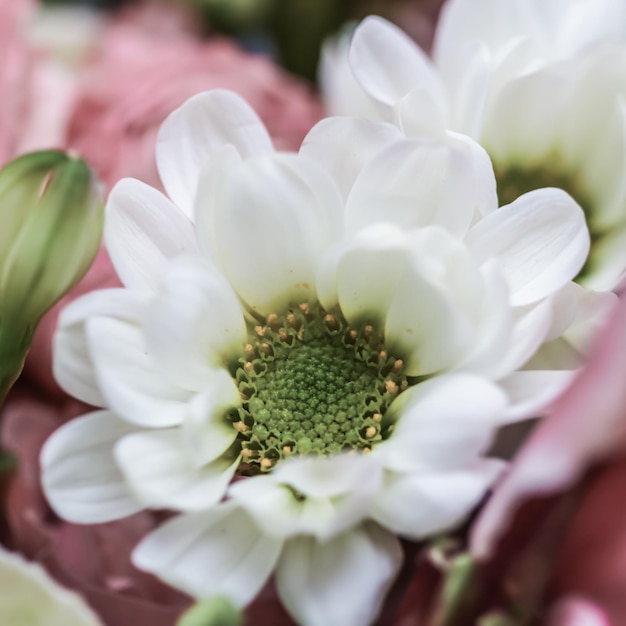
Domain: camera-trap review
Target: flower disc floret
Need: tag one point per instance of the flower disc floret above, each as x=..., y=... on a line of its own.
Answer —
x=312, y=384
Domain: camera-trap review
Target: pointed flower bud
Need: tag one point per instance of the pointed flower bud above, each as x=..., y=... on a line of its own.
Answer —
x=52, y=211
x=213, y=611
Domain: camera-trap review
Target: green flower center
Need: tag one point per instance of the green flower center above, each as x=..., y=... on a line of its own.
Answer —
x=514, y=181
x=311, y=384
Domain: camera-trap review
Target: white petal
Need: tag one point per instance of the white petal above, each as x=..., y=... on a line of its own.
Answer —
x=191, y=135
x=274, y=217
x=341, y=93
x=409, y=185
x=361, y=273
x=494, y=328
x=343, y=145
x=585, y=23
x=317, y=496
x=326, y=477
x=418, y=505
x=420, y=114
x=206, y=434
x=445, y=422
x=531, y=326
x=540, y=240
x=72, y=365
x=212, y=553
x=30, y=597
x=342, y=582
x=388, y=64
x=142, y=230
x=161, y=473
x=493, y=22
x=607, y=262
x=526, y=120
x=565, y=305
x=425, y=326
x=194, y=324
x=531, y=392
x=131, y=381
x=320, y=497
x=469, y=89
x=484, y=196
x=79, y=475
x=593, y=311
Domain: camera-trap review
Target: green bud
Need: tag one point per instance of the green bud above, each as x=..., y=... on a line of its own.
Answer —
x=213, y=611
x=52, y=212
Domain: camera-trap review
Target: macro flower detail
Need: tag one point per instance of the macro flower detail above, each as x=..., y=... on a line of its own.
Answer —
x=542, y=94
x=312, y=384
x=310, y=355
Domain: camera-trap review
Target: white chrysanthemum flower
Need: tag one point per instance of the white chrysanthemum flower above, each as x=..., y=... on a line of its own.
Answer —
x=539, y=84
x=29, y=597
x=317, y=363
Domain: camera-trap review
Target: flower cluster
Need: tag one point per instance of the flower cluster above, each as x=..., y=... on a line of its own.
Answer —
x=310, y=354
x=539, y=85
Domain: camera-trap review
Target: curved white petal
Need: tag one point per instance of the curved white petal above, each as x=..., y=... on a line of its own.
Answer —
x=79, y=475
x=565, y=307
x=540, y=240
x=205, y=432
x=424, y=182
x=484, y=197
x=71, y=360
x=388, y=64
x=607, y=262
x=161, y=474
x=418, y=505
x=319, y=497
x=341, y=582
x=343, y=145
x=593, y=311
x=585, y=23
x=469, y=85
x=526, y=120
x=326, y=477
x=30, y=597
x=420, y=114
x=494, y=326
x=341, y=93
x=361, y=273
x=425, y=326
x=494, y=23
x=217, y=552
x=143, y=229
x=273, y=217
x=131, y=381
x=531, y=326
x=531, y=392
x=193, y=133
x=194, y=323
x=445, y=422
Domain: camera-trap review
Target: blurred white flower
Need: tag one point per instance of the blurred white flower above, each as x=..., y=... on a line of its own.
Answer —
x=29, y=597
x=313, y=365
x=539, y=84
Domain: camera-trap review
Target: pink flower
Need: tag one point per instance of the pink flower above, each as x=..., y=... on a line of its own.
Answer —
x=139, y=76
x=15, y=63
x=553, y=532
x=106, y=100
